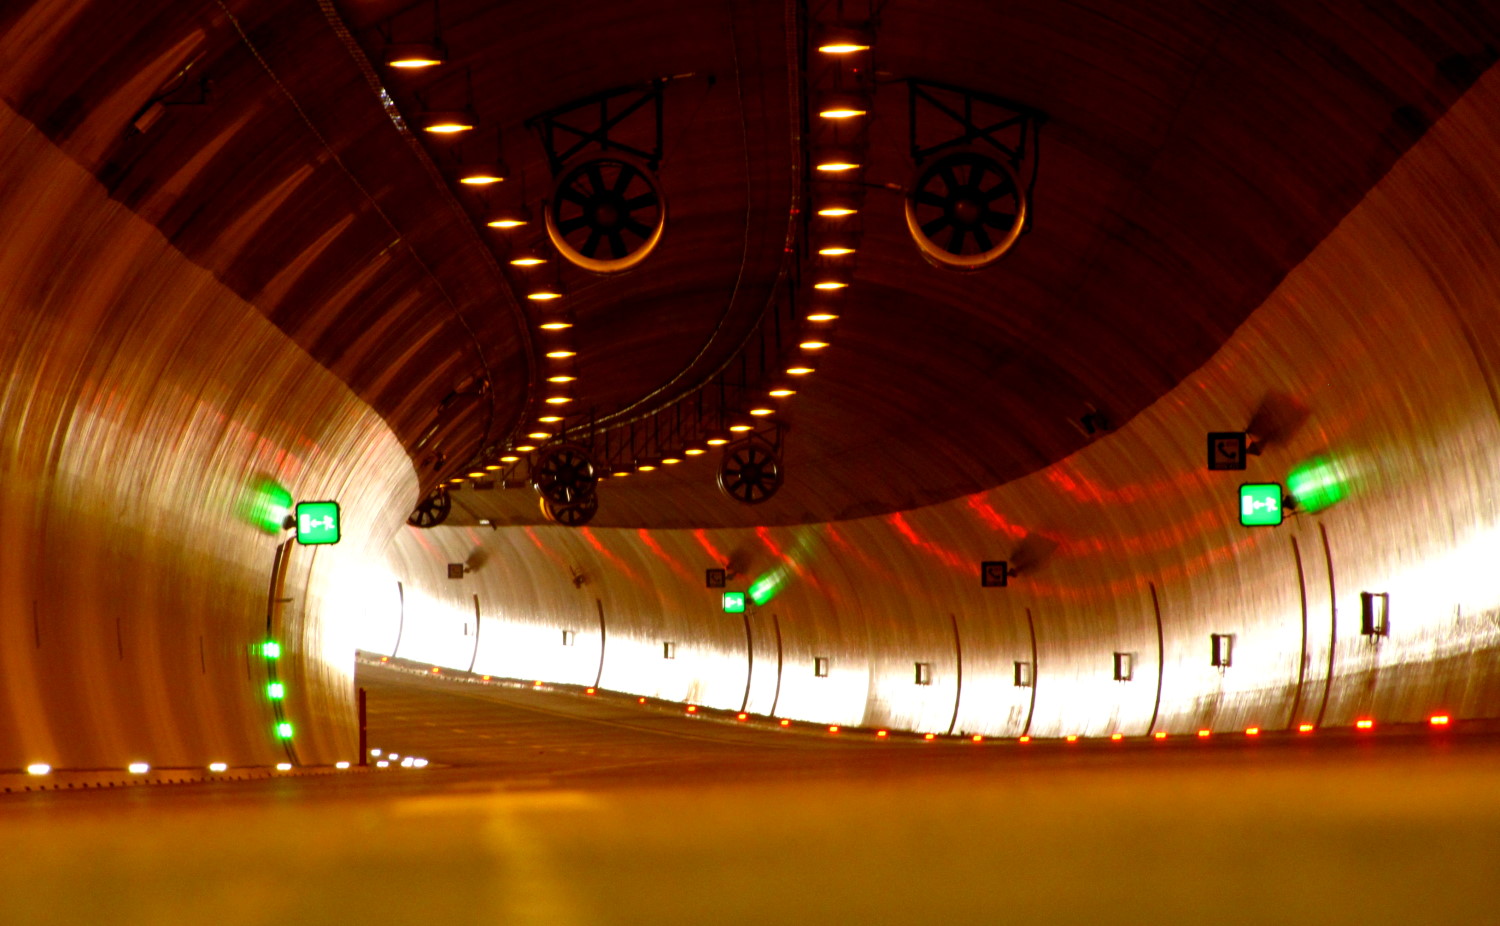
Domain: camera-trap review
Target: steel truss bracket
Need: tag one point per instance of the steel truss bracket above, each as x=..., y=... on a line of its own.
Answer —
x=942, y=116
x=600, y=120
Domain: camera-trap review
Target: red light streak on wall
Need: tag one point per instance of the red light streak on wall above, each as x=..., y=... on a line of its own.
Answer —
x=995, y=520
x=942, y=553
x=550, y=553
x=1130, y=584
x=610, y=555
x=682, y=571
x=701, y=536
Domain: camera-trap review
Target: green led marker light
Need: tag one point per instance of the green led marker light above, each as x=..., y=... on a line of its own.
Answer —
x=271, y=649
x=275, y=691
x=317, y=523
x=734, y=602
x=1260, y=504
x=1317, y=483
x=284, y=730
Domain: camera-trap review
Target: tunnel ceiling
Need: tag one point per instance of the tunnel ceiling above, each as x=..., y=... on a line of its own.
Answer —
x=1192, y=154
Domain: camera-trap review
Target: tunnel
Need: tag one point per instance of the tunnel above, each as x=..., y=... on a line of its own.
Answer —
x=736, y=461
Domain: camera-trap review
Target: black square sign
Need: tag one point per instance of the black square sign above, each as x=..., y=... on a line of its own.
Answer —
x=455, y=570
x=714, y=578
x=1226, y=450
x=994, y=573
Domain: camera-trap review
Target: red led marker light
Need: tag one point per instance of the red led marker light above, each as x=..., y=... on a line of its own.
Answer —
x=640, y=700
x=1160, y=736
x=536, y=684
x=1365, y=724
x=881, y=733
x=1252, y=731
x=929, y=736
x=692, y=708
x=385, y=659
x=1024, y=739
x=833, y=728
x=485, y=678
x=588, y=691
x=977, y=738
x=741, y=716
x=1203, y=734
x=786, y=723
x=1439, y=720
x=1304, y=728
x=1072, y=737
x=435, y=670
x=1117, y=736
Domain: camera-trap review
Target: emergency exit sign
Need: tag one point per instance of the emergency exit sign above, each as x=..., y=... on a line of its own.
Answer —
x=317, y=522
x=1260, y=504
x=734, y=602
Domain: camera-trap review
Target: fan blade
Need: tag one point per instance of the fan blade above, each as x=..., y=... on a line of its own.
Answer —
x=956, y=242
x=617, y=244
x=591, y=245
x=983, y=237
x=936, y=225
x=929, y=198
x=574, y=195
x=647, y=198
x=638, y=229
x=595, y=177
x=627, y=174
x=947, y=174
x=999, y=219
x=568, y=226
x=1003, y=188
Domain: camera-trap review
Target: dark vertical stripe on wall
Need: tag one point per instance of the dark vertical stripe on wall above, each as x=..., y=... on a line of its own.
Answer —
x=599, y=676
x=958, y=687
x=749, y=659
x=1036, y=674
x=401, y=617
x=1291, y=719
x=1333, y=623
x=776, y=623
x=475, y=658
x=36, y=624
x=1161, y=658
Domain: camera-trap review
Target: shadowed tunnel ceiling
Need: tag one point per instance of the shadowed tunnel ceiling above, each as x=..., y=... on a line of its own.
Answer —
x=1192, y=154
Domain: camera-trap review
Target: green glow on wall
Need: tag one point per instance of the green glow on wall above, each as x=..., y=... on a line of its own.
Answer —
x=1318, y=483
x=265, y=505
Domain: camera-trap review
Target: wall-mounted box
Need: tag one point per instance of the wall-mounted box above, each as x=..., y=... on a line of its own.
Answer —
x=820, y=666
x=569, y=637
x=1024, y=675
x=1124, y=667
x=1221, y=649
x=924, y=673
x=669, y=651
x=1375, y=614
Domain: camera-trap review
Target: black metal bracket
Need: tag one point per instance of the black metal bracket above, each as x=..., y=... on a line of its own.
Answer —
x=565, y=131
x=960, y=117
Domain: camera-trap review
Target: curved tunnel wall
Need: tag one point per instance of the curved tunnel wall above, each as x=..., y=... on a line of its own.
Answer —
x=1379, y=354
x=140, y=401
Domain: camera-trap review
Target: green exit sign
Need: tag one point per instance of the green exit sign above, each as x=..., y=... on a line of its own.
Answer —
x=734, y=602
x=1260, y=504
x=317, y=522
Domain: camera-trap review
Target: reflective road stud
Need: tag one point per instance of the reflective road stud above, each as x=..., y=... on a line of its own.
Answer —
x=1260, y=504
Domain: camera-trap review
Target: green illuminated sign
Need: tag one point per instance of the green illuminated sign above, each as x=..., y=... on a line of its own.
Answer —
x=284, y=730
x=734, y=602
x=1260, y=504
x=317, y=522
x=275, y=691
x=271, y=649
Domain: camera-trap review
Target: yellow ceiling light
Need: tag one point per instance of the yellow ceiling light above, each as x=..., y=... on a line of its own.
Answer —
x=836, y=161
x=836, y=211
x=539, y=435
x=545, y=293
x=843, y=106
x=561, y=378
x=492, y=467
x=842, y=40
x=761, y=411
x=525, y=448
x=555, y=324
x=717, y=441
x=480, y=174
x=561, y=353
x=835, y=250
x=527, y=257
x=478, y=475
x=446, y=122
x=509, y=458
x=781, y=391
x=822, y=316
x=830, y=285
x=695, y=451
x=559, y=399
x=799, y=369
x=740, y=427
x=456, y=480
x=813, y=344
x=414, y=56
x=549, y=419
x=508, y=217
x=646, y=467
x=671, y=461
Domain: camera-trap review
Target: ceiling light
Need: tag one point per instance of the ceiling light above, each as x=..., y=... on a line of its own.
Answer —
x=539, y=435
x=525, y=448
x=557, y=323
x=760, y=411
x=835, y=161
x=561, y=378
x=527, y=257
x=646, y=466
x=822, y=316
x=480, y=174
x=456, y=480
x=717, y=441
x=545, y=293
x=549, y=419
x=780, y=391
x=508, y=217
x=413, y=56
x=446, y=122
x=559, y=399
x=671, y=461
x=842, y=40
x=800, y=369
x=843, y=106
x=509, y=458
x=561, y=353
x=813, y=345
x=830, y=285
x=492, y=467
x=835, y=251
x=835, y=212
x=39, y=768
x=620, y=472
x=476, y=475
x=695, y=451
x=741, y=427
